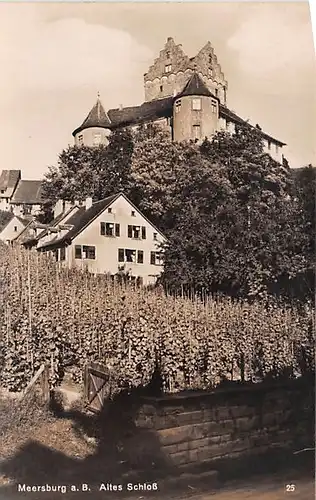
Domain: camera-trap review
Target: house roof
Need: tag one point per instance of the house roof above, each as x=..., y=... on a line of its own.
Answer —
x=97, y=117
x=28, y=192
x=82, y=218
x=7, y=217
x=196, y=86
x=8, y=182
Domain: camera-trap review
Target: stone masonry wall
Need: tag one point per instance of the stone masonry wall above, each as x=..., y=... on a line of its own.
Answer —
x=231, y=423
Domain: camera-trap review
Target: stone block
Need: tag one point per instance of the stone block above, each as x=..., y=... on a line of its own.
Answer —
x=180, y=458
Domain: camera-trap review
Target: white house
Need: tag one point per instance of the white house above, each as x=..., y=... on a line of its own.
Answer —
x=12, y=227
x=106, y=237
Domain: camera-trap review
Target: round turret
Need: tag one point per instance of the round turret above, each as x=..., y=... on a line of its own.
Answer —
x=195, y=112
x=95, y=129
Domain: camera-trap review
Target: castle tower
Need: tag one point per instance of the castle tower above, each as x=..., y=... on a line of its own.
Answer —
x=95, y=128
x=195, y=111
x=173, y=68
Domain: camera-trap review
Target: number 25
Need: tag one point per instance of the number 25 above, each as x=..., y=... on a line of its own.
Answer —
x=290, y=487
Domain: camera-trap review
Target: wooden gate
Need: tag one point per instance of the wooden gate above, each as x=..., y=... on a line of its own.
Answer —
x=96, y=386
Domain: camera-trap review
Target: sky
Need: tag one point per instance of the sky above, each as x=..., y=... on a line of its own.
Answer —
x=56, y=57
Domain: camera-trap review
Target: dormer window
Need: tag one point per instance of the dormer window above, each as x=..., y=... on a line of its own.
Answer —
x=196, y=104
x=168, y=68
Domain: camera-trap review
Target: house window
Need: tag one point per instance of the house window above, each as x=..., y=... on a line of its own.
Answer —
x=88, y=252
x=136, y=232
x=196, y=104
x=140, y=257
x=84, y=252
x=109, y=229
x=269, y=145
x=110, y=210
x=80, y=140
x=62, y=253
x=168, y=68
x=196, y=131
x=155, y=236
x=178, y=105
x=214, y=107
x=133, y=213
x=97, y=139
x=15, y=228
x=2, y=191
x=156, y=258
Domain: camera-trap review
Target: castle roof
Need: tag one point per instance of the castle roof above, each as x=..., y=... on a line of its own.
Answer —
x=196, y=86
x=28, y=192
x=8, y=182
x=96, y=118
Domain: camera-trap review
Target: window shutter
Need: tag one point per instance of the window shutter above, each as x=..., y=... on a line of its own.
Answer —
x=153, y=258
x=117, y=230
x=140, y=257
x=121, y=254
x=78, y=253
x=143, y=232
x=130, y=231
x=102, y=228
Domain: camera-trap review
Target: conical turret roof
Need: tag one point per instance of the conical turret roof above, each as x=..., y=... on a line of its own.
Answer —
x=195, y=86
x=96, y=118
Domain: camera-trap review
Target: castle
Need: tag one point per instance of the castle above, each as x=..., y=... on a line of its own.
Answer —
x=186, y=96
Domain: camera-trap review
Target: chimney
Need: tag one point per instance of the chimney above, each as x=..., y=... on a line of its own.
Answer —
x=120, y=107
x=88, y=203
x=58, y=208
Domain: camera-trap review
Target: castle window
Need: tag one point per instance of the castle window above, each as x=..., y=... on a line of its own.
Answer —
x=197, y=131
x=15, y=228
x=97, y=139
x=161, y=88
x=210, y=59
x=269, y=145
x=216, y=92
x=276, y=149
x=178, y=106
x=168, y=68
x=168, y=54
x=196, y=104
x=80, y=140
x=214, y=107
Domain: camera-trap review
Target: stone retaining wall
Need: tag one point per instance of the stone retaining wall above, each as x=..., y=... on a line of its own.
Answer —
x=231, y=423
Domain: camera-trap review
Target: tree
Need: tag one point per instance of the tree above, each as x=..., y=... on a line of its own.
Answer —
x=247, y=241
